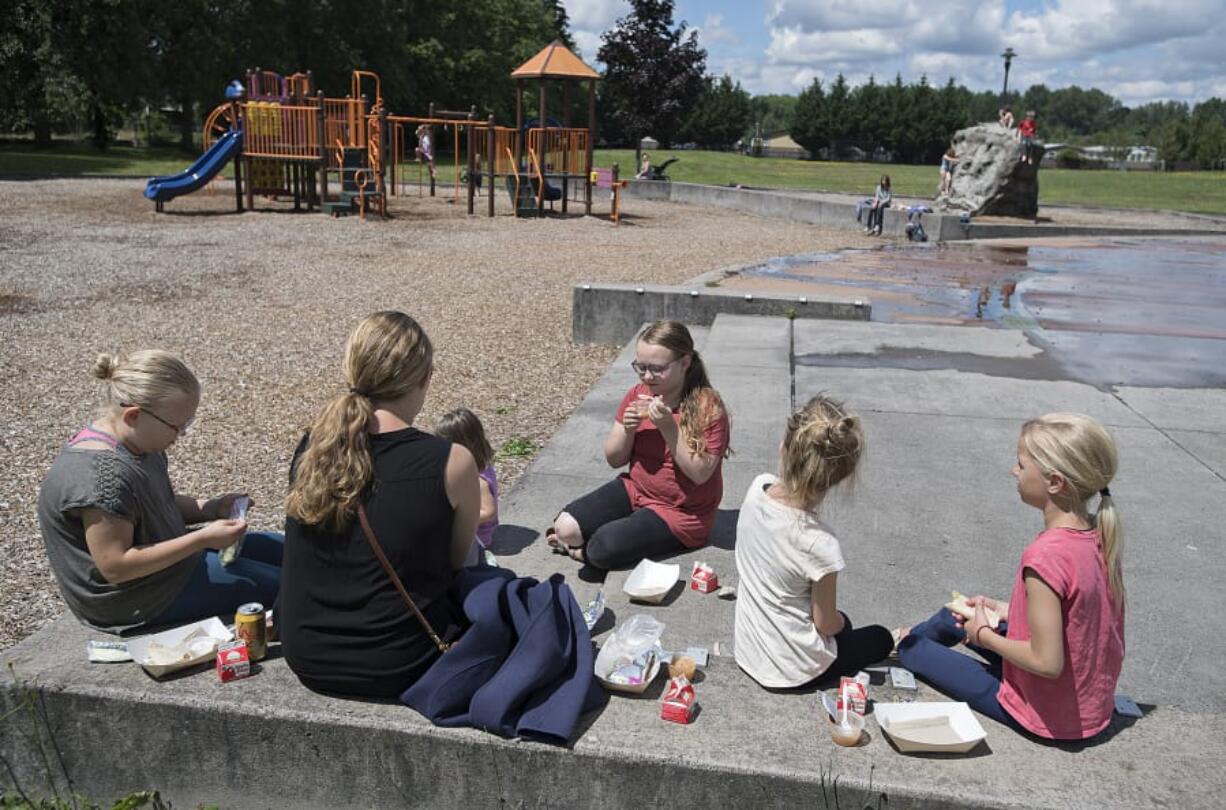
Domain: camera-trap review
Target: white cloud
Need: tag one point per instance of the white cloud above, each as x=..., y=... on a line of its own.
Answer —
x=595, y=15
x=1138, y=50
x=588, y=44
x=1072, y=29
x=714, y=31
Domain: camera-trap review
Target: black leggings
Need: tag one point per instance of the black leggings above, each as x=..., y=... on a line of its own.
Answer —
x=876, y=216
x=615, y=534
x=858, y=648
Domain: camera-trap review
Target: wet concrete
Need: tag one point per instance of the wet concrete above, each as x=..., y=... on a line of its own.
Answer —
x=1147, y=312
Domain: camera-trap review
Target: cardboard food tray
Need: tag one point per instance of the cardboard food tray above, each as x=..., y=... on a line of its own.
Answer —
x=633, y=688
x=651, y=581
x=930, y=727
x=138, y=647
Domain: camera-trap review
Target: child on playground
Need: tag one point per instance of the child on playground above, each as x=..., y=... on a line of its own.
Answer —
x=876, y=209
x=949, y=162
x=462, y=426
x=1028, y=132
x=425, y=149
x=1051, y=668
x=644, y=168
x=114, y=527
x=789, y=632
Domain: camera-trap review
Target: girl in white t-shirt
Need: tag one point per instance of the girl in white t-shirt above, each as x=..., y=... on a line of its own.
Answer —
x=789, y=632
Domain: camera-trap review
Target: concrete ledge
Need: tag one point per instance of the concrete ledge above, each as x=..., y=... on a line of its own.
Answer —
x=840, y=214
x=612, y=313
x=915, y=530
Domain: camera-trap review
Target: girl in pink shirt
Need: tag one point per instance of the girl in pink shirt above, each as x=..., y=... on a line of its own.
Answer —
x=1052, y=667
x=672, y=430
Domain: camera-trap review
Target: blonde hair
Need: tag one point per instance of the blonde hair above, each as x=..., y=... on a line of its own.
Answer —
x=386, y=357
x=1083, y=452
x=146, y=378
x=463, y=427
x=701, y=406
x=821, y=448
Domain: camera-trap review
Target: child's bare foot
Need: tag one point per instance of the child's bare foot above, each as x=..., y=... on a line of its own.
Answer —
x=899, y=633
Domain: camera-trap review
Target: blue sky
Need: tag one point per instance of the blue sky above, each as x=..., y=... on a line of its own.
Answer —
x=1137, y=50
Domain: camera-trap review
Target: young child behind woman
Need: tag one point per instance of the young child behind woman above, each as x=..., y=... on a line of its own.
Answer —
x=789, y=632
x=463, y=427
x=1052, y=667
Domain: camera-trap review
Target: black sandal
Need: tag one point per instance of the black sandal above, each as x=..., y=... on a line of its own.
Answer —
x=558, y=547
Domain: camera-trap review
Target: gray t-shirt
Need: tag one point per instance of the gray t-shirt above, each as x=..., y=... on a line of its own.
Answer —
x=135, y=488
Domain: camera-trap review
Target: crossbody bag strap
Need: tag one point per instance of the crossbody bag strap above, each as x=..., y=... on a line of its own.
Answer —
x=391, y=572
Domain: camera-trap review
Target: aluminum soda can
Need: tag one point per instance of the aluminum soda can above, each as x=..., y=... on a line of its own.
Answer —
x=249, y=626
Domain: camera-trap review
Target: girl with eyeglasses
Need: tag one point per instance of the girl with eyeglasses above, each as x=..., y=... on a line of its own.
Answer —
x=672, y=430
x=116, y=531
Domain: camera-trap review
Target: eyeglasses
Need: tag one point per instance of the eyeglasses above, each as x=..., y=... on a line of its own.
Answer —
x=180, y=430
x=642, y=369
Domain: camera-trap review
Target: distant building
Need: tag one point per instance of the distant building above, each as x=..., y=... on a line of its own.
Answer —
x=781, y=145
x=1104, y=157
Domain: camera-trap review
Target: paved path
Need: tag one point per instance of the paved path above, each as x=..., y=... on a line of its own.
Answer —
x=935, y=509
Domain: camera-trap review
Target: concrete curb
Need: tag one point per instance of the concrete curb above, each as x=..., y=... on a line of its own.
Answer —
x=841, y=215
x=612, y=313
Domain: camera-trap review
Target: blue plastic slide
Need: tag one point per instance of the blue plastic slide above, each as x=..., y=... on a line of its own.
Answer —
x=206, y=167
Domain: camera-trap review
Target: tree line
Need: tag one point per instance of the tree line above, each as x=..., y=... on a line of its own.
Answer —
x=913, y=123
x=101, y=61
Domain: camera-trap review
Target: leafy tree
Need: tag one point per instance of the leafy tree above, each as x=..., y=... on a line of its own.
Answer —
x=654, y=72
x=722, y=116
x=867, y=112
x=772, y=113
x=39, y=91
x=104, y=44
x=840, y=121
x=809, y=124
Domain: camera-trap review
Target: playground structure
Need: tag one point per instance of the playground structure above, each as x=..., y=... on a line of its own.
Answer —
x=345, y=155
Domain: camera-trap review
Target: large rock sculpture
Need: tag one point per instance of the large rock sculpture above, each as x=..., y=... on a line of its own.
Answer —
x=991, y=177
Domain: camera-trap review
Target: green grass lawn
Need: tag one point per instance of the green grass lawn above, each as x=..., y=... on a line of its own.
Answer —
x=70, y=159
x=1201, y=192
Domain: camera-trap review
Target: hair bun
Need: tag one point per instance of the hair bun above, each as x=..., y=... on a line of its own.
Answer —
x=104, y=366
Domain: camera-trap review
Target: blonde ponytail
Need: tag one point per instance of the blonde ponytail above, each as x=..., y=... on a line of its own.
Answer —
x=1111, y=535
x=1083, y=452
x=386, y=357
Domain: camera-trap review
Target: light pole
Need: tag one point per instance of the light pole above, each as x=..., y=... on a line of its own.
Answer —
x=1008, y=57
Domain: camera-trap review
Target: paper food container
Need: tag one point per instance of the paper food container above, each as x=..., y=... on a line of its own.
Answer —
x=202, y=640
x=941, y=727
x=651, y=581
x=604, y=665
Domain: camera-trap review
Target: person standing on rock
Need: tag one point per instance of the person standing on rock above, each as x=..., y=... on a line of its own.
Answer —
x=1028, y=132
x=117, y=532
x=672, y=429
x=949, y=162
x=1005, y=118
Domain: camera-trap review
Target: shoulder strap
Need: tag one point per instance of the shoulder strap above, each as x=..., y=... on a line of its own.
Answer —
x=391, y=572
x=88, y=433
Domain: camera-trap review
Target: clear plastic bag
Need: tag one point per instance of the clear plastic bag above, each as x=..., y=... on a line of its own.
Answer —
x=636, y=641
